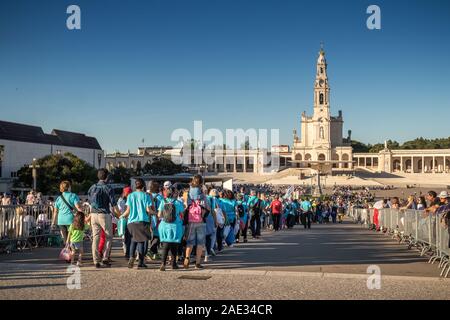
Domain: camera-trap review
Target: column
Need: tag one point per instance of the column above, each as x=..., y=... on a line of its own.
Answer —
x=412, y=164
x=245, y=163
x=423, y=164
x=235, y=164
x=445, y=164
x=401, y=163
x=434, y=164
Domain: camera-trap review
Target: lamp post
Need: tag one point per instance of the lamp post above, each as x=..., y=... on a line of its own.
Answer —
x=34, y=168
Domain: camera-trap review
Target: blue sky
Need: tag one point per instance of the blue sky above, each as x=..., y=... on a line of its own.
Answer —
x=140, y=69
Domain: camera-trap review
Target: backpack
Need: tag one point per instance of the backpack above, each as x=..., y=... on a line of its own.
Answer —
x=254, y=209
x=195, y=212
x=240, y=210
x=169, y=212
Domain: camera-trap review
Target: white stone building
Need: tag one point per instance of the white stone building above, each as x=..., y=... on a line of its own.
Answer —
x=20, y=144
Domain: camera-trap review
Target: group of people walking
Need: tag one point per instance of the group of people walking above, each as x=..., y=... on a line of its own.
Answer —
x=170, y=222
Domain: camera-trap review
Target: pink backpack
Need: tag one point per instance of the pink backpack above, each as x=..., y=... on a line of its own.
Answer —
x=195, y=212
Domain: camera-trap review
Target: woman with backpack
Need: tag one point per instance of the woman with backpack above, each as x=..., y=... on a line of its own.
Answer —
x=197, y=209
x=170, y=229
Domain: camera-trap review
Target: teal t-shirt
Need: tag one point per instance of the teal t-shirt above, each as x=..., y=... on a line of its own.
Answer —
x=171, y=232
x=138, y=202
x=229, y=207
x=65, y=215
x=306, y=205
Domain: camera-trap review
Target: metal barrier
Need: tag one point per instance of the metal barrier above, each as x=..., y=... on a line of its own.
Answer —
x=362, y=216
x=24, y=226
x=418, y=229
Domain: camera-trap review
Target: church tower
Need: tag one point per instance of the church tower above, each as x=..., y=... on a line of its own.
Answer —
x=321, y=88
x=322, y=116
x=321, y=136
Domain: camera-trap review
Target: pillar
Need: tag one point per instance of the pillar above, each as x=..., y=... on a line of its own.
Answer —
x=423, y=164
x=434, y=164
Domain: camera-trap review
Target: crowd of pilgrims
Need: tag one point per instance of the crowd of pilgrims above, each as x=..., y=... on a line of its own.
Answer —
x=174, y=223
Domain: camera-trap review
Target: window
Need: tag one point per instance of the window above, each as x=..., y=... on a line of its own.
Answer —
x=321, y=98
x=321, y=70
x=321, y=133
x=14, y=174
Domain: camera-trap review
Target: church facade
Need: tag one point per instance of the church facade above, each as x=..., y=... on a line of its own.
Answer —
x=321, y=135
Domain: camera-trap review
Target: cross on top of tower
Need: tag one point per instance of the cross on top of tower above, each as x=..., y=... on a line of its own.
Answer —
x=321, y=48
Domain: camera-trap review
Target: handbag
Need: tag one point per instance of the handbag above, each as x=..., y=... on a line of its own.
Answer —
x=66, y=254
x=121, y=226
x=220, y=218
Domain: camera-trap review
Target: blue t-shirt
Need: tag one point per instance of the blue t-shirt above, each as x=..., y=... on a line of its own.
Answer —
x=306, y=205
x=171, y=232
x=229, y=208
x=65, y=215
x=138, y=202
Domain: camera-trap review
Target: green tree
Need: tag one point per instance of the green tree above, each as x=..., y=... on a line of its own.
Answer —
x=360, y=147
x=55, y=168
x=121, y=175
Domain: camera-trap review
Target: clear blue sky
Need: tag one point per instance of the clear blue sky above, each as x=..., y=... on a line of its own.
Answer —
x=139, y=69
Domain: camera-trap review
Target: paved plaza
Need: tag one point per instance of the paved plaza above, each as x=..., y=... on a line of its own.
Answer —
x=327, y=262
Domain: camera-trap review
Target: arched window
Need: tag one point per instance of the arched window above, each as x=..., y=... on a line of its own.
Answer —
x=321, y=70
x=321, y=157
x=321, y=98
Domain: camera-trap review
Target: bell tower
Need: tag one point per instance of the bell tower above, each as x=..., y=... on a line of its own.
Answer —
x=321, y=88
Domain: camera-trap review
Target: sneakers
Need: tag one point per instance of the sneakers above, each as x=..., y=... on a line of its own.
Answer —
x=142, y=265
x=207, y=259
x=98, y=265
x=213, y=253
x=199, y=266
x=131, y=263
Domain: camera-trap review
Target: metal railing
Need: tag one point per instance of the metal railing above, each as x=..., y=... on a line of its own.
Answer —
x=24, y=226
x=418, y=229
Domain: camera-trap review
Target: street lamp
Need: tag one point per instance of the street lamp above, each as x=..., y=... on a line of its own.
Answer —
x=34, y=168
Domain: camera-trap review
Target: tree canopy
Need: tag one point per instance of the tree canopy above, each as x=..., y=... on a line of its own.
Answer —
x=55, y=168
x=418, y=143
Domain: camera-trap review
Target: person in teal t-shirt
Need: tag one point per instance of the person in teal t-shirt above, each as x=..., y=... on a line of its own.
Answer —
x=63, y=212
x=170, y=233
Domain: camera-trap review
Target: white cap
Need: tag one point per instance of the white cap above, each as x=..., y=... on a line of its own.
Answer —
x=167, y=184
x=443, y=195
